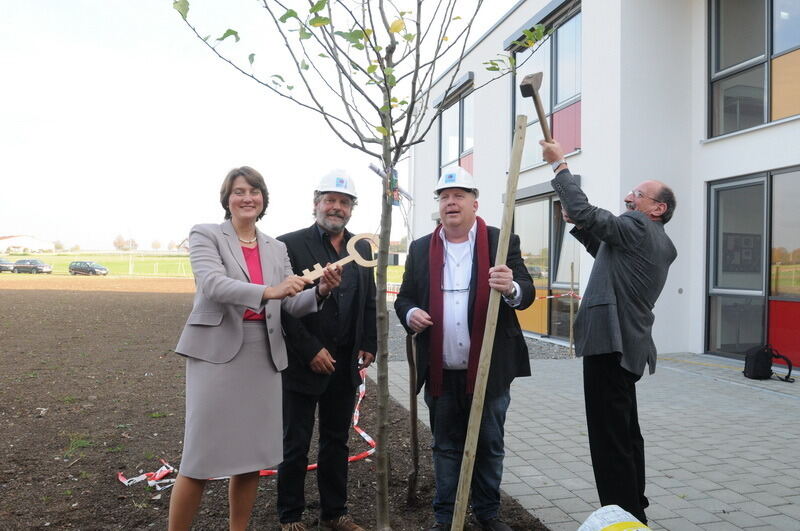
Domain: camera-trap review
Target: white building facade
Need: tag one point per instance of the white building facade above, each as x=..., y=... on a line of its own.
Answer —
x=703, y=95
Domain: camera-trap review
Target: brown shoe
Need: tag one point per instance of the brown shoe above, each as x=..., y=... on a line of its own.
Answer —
x=342, y=523
x=293, y=526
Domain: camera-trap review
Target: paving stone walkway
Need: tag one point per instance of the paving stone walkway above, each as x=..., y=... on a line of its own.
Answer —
x=721, y=449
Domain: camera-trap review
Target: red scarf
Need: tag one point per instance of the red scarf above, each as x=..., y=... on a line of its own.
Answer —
x=436, y=301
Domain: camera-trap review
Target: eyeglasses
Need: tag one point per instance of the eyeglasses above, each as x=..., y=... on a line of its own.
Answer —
x=638, y=194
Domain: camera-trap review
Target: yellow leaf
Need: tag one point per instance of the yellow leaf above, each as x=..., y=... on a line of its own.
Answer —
x=445, y=38
x=397, y=26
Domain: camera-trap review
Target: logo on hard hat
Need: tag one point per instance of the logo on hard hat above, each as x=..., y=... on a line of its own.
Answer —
x=450, y=178
x=341, y=182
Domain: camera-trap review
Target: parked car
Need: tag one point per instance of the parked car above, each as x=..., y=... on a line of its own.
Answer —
x=6, y=265
x=535, y=271
x=32, y=266
x=87, y=268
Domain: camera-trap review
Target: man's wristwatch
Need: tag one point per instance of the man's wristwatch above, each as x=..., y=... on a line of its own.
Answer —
x=558, y=163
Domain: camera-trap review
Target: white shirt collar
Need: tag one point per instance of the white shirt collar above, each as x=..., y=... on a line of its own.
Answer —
x=472, y=233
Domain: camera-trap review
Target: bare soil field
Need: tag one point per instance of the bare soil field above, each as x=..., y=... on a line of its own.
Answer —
x=90, y=387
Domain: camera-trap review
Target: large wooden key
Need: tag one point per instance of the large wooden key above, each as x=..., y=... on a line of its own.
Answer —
x=353, y=255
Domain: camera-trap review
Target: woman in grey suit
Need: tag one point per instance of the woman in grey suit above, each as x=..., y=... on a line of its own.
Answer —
x=235, y=351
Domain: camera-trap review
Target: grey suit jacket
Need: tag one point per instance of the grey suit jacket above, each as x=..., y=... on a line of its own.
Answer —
x=214, y=329
x=632, y=257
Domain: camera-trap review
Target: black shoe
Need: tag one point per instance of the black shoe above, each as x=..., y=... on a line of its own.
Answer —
x=438, y=526
x=494, y=524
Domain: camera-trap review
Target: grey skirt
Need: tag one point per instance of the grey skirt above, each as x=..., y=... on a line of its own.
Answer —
x=233, y=411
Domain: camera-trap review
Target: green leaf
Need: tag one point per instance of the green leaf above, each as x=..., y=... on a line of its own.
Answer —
x=371, y=69
x=324, y=56
x=251, y=58
x=378, y=49
x=456, y=18
x=409, y=37
x=319, y=21
x=382, y=130
x=385, y=108
x=304, y=34
x=393, y=100
x=316, y=8
x=206, y=38
x=290, y=13
x=538, y=31
x=358, y=46
x=290, y=87
x=391, y=80
x=493, y=68
x=182, y=7
x=304, y=65
x=278, y=76
x=353, y=37
x=388, y=71
x=403, y=102
x=230, y=33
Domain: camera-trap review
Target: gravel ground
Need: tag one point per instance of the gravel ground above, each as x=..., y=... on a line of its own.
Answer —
x=538, y=349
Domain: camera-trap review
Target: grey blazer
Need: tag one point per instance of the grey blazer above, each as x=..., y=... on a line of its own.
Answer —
x=214, y=329
x=632, y=257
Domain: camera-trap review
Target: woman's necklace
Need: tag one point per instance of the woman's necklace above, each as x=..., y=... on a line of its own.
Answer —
x=248, y=241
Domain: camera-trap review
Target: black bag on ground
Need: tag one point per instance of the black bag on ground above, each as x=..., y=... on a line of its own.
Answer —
x=758, y=364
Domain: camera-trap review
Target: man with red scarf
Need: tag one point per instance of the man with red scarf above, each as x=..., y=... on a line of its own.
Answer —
x=444, y=299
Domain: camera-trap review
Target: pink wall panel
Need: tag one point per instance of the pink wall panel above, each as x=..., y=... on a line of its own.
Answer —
x=466, y=162
x=567, y=127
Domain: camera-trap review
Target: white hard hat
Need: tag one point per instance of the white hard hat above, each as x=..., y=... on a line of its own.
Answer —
x=338, y=181
x=457, y=177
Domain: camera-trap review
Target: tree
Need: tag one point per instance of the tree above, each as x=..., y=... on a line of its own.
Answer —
x=368, y=69
x=156, y=245
x=58, y=246
x=172, y=246
x=120, y=243
x=75, y=248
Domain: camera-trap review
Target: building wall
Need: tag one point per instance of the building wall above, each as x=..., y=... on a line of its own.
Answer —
x=644, y=116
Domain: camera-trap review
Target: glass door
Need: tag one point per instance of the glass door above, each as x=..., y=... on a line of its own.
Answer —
x=784, y=286
x=737, y=278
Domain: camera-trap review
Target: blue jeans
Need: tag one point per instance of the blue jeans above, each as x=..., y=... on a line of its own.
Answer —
x=449, y=414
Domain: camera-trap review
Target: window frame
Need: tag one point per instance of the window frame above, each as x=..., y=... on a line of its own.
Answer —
x=765, y=58
x=458, y=100
x=562, y=17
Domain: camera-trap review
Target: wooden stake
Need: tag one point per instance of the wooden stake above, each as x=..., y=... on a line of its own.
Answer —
x=476, y=412
x=571, y=307
x=411, y=354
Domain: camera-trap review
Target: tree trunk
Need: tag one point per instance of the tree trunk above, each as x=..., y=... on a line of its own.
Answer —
x=381, y=453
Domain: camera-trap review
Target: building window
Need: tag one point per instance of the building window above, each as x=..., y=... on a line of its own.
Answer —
x=551, y=255
x=559, y=57
x=737, y=272
x=754, y=264
x=755, y=63
x=456, y=135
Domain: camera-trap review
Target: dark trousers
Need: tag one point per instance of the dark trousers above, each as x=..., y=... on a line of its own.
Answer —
x=449, y=414
x=336, y=405
x=615, y=441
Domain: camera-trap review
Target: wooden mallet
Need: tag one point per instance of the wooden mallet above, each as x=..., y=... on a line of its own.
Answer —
x=529, y=87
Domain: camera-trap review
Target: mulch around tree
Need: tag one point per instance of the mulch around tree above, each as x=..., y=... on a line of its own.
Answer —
x=91, y=387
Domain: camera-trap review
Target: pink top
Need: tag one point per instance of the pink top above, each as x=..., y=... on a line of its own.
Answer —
x=253, y=261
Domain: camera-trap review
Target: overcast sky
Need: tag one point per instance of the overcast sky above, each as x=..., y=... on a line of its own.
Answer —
x=115, y=119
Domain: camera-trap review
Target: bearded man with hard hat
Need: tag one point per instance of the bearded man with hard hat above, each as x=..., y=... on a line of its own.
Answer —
x=325, y=356
x=444, y=299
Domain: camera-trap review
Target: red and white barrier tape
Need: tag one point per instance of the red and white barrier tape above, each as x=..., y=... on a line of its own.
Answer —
x=362, y=391
x=567, y=294
x=156, y=479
